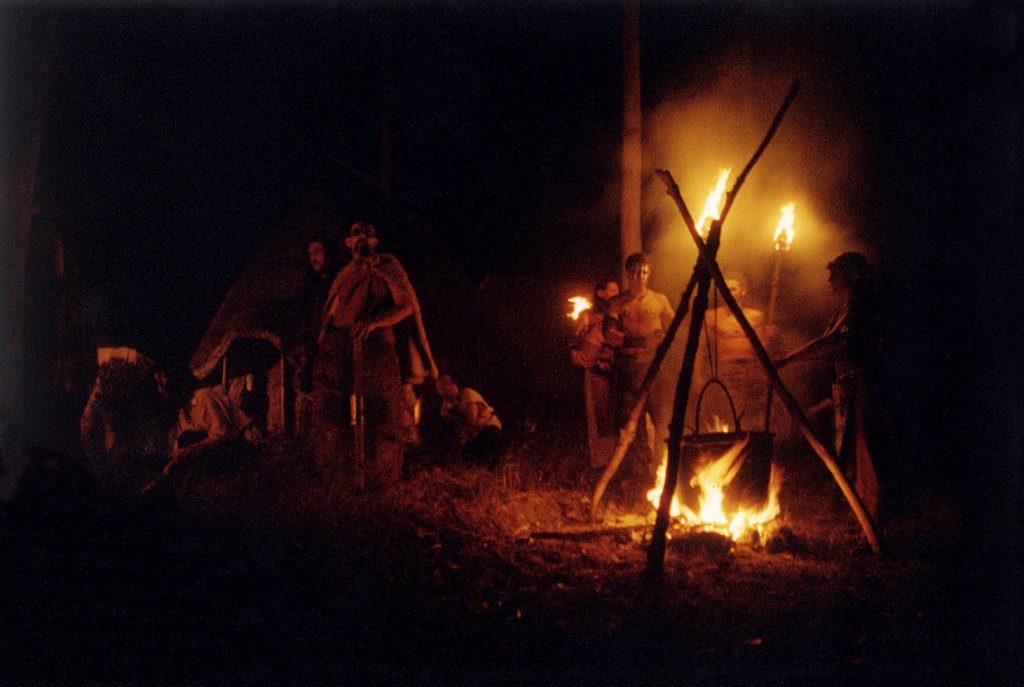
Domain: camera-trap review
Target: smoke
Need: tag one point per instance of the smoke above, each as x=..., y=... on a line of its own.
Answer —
x=814, y=161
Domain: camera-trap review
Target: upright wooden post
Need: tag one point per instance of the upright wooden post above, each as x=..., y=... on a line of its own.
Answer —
x=632, y=145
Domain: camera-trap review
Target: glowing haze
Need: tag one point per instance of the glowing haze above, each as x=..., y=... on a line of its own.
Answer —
x=813, y=161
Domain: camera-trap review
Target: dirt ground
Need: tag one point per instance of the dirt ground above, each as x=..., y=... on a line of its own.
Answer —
x=253, y=574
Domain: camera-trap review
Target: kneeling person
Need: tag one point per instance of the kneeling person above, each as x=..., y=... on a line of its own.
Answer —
x=210, y=425
x=474, y=421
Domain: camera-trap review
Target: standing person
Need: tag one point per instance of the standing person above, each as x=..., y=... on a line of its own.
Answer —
x=853, y=340
x=477, y=428
x=730, y=358
x=591, y=352
x=372, y=344
x=635, y=325
x=321, y=268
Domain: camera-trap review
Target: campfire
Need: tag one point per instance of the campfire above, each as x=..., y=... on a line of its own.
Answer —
x=714, y=506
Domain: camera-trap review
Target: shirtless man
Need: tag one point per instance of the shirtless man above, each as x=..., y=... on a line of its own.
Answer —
x=636, y=324
x=731, y=359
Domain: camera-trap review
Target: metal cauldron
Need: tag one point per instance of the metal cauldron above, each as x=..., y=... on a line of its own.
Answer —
x=749, y=485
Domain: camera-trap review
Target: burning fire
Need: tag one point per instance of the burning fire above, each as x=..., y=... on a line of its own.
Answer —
x=579, y=304
x=712, y=206
x=712, y=478
x=716, y=424
x=784, y=232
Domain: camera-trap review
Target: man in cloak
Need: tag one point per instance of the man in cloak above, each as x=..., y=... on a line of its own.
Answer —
x=372, y=351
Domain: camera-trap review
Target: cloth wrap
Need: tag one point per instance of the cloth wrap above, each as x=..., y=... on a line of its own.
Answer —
x=391, y=357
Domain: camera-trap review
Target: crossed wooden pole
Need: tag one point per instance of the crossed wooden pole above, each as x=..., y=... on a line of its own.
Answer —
x=705, y=273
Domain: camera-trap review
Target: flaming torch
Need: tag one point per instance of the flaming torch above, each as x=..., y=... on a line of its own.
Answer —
x=579, y=305
x=712, y=210
x=782, y=240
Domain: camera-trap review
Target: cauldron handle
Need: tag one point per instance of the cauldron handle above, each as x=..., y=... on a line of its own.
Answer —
x=728, y=397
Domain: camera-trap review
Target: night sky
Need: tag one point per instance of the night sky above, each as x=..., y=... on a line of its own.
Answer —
x=176, y=137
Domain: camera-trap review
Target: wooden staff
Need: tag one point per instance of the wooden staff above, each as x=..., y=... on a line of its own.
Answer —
x=357, y=416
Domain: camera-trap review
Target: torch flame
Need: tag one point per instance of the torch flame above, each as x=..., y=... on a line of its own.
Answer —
x=712, y=479
x=579, y=304
x=784, y=232
x=712, y=210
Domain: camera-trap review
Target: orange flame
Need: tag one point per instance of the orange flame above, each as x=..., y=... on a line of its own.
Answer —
x=716, y=425
x=712, y=479
x=712, y=206
x=784, y=231
x=579, y=305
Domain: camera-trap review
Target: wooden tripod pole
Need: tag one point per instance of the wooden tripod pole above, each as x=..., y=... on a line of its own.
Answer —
x=656, y=551
x=627, y=433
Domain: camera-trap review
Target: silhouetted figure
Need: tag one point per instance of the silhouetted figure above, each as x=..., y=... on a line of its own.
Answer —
x=852, y=340
x=596, y=356
x=124, y=424
x=321, y=268
x=475, y=425
x=729, y=358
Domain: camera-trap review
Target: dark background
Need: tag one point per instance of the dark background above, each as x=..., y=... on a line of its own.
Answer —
x=176, y=137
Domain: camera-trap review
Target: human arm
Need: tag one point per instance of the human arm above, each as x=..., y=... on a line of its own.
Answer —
x=814, y=349
x=362, y=329
x=402, y=294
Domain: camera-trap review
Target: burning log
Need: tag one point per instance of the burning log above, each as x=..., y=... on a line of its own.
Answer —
x=588, y=533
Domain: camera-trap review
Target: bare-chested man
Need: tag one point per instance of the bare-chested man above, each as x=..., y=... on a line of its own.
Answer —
x=636, y=324
x=731, y=359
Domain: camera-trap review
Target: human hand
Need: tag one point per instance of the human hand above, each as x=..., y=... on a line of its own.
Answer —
x=361, y=330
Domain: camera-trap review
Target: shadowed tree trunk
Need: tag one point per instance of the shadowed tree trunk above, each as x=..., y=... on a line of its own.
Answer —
x=632, y=154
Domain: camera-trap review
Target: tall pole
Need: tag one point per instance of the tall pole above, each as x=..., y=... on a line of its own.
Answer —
x=632, y=149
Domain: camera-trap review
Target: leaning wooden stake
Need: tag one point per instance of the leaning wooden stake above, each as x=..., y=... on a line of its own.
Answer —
x=628, y=433
x=656, y=551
